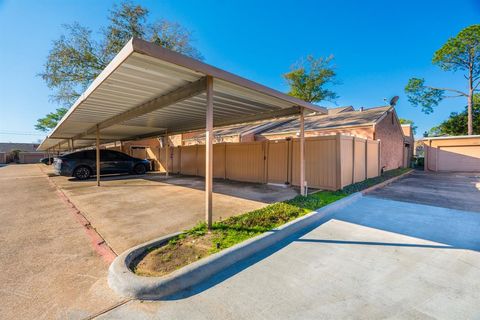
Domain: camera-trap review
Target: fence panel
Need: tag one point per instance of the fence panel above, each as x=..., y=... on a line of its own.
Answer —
x=346, y=159
x=219, y=169
x=320, y=162
x=174, y=163
x=245, y=161
x=161, y=155
x=188, y=160
x=331, y=162
x=359, y=162
x=373, y=148
x=201, y=160
x=277, y=161
x=158, y=161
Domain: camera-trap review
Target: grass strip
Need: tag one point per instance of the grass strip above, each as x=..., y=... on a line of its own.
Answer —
x=198, y=242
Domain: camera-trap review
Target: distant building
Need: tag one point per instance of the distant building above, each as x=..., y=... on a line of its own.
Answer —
x=25, y=147
x=19, y=152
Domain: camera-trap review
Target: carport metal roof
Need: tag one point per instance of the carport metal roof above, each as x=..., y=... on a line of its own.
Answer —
x=147, y=90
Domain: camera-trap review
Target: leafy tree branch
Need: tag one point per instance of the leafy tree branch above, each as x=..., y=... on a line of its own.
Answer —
x=459, y=54
x=309, y=78
x=77, y=57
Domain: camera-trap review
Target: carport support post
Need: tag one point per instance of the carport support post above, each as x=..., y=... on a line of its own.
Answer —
x=209, y=153
x=302, y=152
x=97, y=156
x=167, y=154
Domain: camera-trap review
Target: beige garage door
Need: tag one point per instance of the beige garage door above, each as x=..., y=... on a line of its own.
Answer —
x=459, y=158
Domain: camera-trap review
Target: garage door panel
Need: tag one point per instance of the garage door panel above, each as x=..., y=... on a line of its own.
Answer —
x=459, y=158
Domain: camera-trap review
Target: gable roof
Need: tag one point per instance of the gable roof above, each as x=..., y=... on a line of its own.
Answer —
x=241, y=129
x=331, y=121
x=342, y=117
x=336, y=110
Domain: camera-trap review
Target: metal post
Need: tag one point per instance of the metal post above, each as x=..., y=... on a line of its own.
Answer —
x=209, y=153
x=167, y=154
x=97, y=156
x=73, y=147
x=353, y=160
x=302, y=152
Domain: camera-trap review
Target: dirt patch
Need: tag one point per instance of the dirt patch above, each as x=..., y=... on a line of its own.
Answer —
x=177, y=253
x=200, y=242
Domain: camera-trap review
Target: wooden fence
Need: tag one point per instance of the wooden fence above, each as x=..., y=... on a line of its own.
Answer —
x=331, y=162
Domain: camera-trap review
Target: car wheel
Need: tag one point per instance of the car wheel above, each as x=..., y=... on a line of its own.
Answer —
x=82, y=173
x=139, y=169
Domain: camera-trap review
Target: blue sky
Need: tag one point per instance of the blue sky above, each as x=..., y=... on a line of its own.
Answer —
x=378, y=46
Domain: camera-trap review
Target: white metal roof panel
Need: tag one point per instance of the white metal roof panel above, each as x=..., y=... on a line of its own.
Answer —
x=141, y=74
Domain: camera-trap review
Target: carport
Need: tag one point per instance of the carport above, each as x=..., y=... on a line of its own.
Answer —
x=148, y=91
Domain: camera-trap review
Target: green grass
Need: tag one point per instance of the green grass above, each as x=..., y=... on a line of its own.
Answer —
x=239, y=228
x=231, y=231
x=359, y=186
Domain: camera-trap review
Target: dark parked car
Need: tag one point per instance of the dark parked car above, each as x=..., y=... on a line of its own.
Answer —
x=81, y=164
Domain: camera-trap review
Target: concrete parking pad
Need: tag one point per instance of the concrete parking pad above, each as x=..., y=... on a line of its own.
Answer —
x=49, y=269
x=374, y=259
x=130, y=210
x=453, y=190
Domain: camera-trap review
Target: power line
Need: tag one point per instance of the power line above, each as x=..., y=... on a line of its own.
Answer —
x=21, y=133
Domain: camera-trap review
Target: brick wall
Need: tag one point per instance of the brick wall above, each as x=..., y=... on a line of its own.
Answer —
x=362, y=132
x=390, y=133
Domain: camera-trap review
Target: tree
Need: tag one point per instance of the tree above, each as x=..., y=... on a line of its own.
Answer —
x=411, y=123
x=456, y=124
x=309, y=77
x=50, y=120
x=77, y=57
x=460, y=53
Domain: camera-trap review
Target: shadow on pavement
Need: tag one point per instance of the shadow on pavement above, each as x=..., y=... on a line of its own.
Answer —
x=457, y=230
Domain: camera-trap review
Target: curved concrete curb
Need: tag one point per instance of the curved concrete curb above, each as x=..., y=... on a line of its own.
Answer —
x=123, y=281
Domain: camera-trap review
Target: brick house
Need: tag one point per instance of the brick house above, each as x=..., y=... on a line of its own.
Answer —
x=380, y=123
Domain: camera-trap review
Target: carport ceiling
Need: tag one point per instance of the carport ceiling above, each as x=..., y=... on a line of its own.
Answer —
x=148, y=90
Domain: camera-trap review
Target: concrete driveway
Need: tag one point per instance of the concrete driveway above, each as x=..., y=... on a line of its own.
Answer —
x=49, y=269
x=448, y=190
x=129, y=210
x=377, y=258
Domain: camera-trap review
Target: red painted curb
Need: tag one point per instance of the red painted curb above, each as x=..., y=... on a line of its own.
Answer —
x=97, y=241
